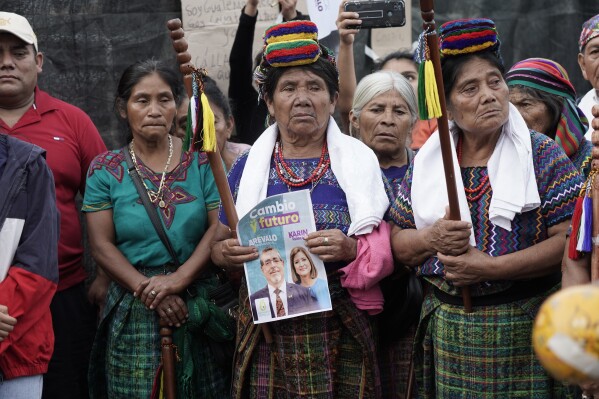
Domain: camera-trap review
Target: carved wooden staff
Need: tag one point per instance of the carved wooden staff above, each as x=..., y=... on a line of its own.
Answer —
x=169, y=387
x=428, y=15
x=216, y=164
x=595, y=195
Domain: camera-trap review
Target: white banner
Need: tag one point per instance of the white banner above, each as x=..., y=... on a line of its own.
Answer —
x=324, y=14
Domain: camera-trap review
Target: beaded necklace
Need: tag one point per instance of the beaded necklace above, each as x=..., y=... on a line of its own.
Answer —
x=155, y=196
x=289, y=177
x=473, y=194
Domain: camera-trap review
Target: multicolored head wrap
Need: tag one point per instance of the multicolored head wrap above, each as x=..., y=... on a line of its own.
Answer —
x=590, y=30
x=550, y=77
x=467, y=36
x=289, y=44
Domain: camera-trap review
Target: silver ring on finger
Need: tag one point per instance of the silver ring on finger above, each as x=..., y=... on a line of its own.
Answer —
x=169, y=310
x=326, y=241
x=153, y=293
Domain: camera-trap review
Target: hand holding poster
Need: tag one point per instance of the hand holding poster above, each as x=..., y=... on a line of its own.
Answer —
x=286, y=280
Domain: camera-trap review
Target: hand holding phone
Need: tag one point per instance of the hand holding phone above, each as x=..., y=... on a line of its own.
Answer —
x=346, y=25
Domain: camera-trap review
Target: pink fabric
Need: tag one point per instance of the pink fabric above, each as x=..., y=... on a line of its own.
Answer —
x=373, y=263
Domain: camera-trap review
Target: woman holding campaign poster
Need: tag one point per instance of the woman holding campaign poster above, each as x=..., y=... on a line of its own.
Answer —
x=328, y=353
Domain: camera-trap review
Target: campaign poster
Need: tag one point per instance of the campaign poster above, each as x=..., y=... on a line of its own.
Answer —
x=286, y=280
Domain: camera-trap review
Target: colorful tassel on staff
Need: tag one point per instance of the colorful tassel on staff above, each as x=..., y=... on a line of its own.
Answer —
x=209, y=136
x=158, y=384
x=433, y=106
x=200, y=118
x=575, y=226
x=586, y=239
x=429, y=106
x=581, y=236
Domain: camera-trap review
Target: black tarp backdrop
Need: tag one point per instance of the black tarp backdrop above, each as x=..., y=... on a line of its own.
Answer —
x=87, y=44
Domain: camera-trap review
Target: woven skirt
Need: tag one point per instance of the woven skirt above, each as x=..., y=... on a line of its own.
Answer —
x=485, y=354
x=395, y=359
x=322, y=355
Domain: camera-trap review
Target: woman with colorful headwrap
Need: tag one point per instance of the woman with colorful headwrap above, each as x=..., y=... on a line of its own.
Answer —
x=542, y=92
x=329, y=354
x=516, y=191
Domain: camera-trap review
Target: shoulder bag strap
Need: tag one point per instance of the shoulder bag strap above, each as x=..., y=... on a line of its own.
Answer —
x=152, y=213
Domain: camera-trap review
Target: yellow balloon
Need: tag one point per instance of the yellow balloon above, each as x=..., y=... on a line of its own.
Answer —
x=565, y=334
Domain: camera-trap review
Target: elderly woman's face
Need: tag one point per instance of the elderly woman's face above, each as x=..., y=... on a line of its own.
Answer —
x=385, y=123
x=534, y=111
x=479, y=100
x=301, y=103
x=151, y=108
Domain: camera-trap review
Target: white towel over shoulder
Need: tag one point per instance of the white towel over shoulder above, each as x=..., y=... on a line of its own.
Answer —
x=354, y=164
x=511, y=175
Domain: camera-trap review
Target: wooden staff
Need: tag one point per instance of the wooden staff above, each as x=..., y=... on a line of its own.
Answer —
x=169, y=386
x=428, y=15
x=220, y=176
x=411, y=376
x=595, y=195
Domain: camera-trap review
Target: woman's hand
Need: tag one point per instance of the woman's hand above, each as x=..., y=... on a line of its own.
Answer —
x=450, y=237
x=173, y=310
x=153, y=290
x=332, y=245
x=7, y=323
x=229, y=254
x=468, y=268
x=345, y=19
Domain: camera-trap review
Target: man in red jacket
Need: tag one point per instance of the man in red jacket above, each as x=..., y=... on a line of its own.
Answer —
x=71, y=141
x=28, y=267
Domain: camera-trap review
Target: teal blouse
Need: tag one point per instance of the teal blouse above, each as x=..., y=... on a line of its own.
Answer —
x=189, y=193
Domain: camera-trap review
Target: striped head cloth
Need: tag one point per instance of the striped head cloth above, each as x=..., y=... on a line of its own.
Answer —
x=467, y=36
x=289, y=44
x=590, y=30
x=550, y=77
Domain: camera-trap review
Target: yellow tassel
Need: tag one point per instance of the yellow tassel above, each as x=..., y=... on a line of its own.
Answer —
x=209, y=136
x=432, y=94
x=161, y=392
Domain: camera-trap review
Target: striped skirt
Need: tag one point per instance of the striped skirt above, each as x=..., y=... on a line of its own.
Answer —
x=323, y=355
x=126, y=352
x=485, y=354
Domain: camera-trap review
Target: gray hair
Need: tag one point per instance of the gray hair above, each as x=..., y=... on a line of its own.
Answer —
x=381, y=82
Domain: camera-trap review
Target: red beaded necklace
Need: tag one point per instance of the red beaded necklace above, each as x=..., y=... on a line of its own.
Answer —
x=473, y=194
x=289, y=177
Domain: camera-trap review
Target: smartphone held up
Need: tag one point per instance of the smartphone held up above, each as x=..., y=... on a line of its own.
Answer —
x=378, y=13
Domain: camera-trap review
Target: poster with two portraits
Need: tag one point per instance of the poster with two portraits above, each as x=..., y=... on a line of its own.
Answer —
x=286, y=280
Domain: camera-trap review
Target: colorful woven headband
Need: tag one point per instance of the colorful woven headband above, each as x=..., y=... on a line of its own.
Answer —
x=290, y=44
x=292, y=30
x=550, y=77
x=466, y=36
x=292, y=53
x=590, y=30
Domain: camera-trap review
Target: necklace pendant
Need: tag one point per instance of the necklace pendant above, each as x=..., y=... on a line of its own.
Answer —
x=162, y=204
